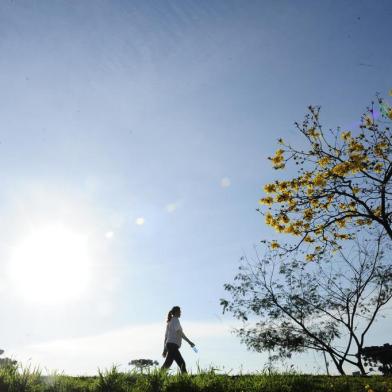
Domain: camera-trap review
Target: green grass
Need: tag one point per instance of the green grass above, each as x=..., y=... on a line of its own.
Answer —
x=15, y=379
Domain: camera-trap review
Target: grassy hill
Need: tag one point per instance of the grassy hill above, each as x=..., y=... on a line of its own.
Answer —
x=14, y=379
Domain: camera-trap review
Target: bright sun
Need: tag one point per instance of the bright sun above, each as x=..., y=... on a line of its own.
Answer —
x=51, y=265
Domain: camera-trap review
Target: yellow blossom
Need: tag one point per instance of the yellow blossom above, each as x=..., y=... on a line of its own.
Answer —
x=313, y=133
x=310, y=189
x=324, y=161
x=330, y=198
x=308, y=214
x=355, y=146
x=291, y=229
x=377, y=211
x=268, y=218
x=342, y=236
x=341, y=169
x=341, y=223
x=269, y=188
x=298, y=223
x=294, y=184
x=278, y=159
x=266, y=201
x=378, y=167
x=362, y=222
x=284, y=218
x=319, y=180
x=292, y=203
x=367, y=121
x=310, y=257
x=358, y=163
x=379, y=149
x=345, y=135
x=319, y=230
x=314, y=203
x=282, y=186
x=274, y=245
x=324, y=206
x=282, y=197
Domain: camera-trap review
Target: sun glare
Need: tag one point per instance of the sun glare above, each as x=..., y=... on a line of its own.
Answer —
x=51, y=265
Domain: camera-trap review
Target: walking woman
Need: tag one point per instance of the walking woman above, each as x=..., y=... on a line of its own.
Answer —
x=173, y=339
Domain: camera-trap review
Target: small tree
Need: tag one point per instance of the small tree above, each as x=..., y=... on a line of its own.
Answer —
x=343, y=182
x=330, y=305
x=380, y=357
x=7, y=362
x=143, y=364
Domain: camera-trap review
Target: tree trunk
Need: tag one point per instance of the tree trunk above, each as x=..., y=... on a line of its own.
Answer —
x=361, y=368
x=340, y=370
x=337, y=363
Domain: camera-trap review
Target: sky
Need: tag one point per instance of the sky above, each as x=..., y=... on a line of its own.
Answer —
x=134, y=138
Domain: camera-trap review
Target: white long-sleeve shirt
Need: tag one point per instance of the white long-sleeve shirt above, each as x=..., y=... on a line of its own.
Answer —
x=174, y=332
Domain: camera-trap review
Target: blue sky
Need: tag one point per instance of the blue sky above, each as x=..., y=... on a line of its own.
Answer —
x=145, y=127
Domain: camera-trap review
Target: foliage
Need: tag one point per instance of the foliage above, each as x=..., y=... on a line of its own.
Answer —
x=62, y=383
x=14, y=378
x=7, y=362
x=180, y=383
x=380, y=356
x=114, y=381
x=343, y=182
x=154, y=382
x=142, y=364
x=328, y=305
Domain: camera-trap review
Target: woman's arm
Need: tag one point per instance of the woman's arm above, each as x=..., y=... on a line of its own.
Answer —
x=186, y=339
x=164, y=345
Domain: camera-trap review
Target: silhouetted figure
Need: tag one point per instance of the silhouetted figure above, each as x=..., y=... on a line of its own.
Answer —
x=173, y=339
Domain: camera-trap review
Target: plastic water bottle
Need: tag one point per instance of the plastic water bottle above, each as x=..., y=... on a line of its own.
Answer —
x=195, y=349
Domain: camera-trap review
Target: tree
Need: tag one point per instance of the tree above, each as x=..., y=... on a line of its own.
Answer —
x=343, y=182
x=380, y=356
x=142, y=364
x=7, y=362
x=289, y=305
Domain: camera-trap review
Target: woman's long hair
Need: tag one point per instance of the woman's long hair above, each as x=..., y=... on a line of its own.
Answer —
x=170, y=315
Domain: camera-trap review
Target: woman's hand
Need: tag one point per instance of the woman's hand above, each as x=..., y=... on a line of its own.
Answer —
x=192, y=344
x=164, y=353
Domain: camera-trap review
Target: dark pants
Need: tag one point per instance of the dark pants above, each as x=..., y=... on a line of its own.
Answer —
x=173, y=354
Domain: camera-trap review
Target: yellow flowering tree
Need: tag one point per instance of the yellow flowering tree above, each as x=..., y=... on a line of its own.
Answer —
x=343, y=182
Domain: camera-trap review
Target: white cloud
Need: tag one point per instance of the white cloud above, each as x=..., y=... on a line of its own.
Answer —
x=84, y=355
